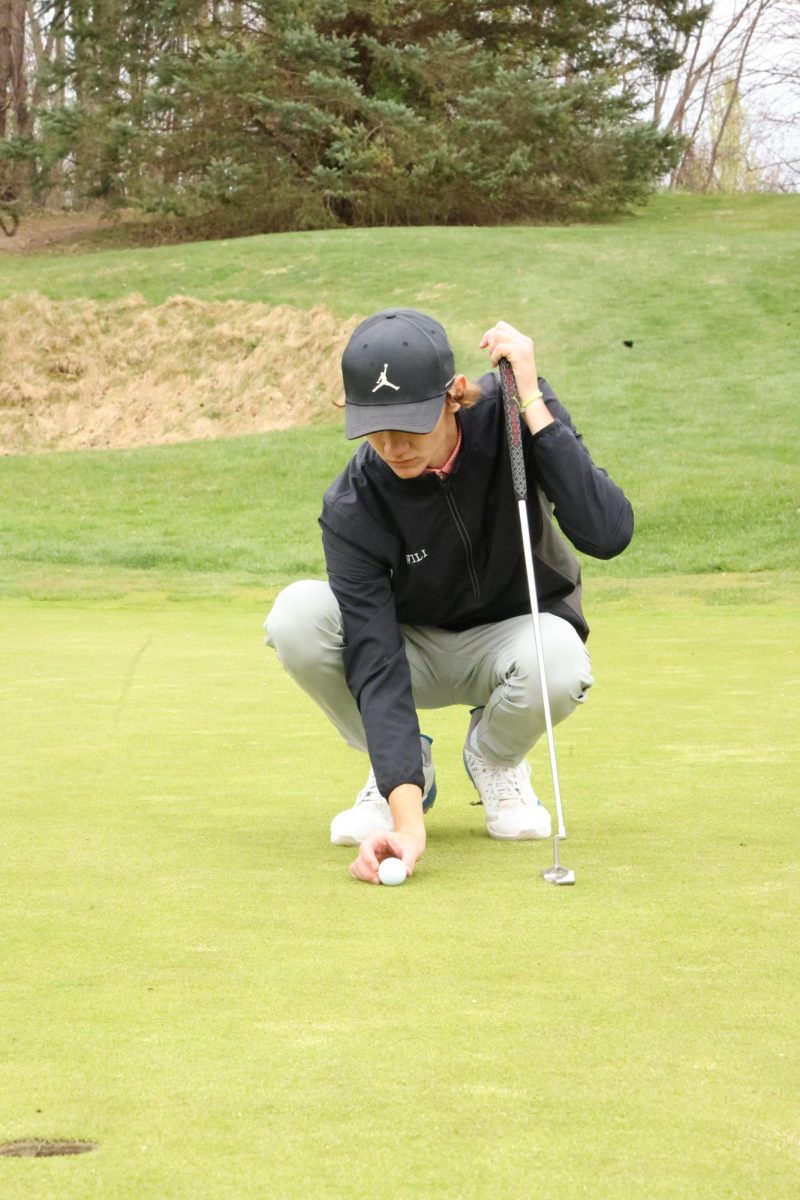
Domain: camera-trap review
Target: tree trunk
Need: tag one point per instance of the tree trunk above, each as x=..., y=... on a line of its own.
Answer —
x=19, y=89
x=734, y=94
x=5, y=64
x=15, y=114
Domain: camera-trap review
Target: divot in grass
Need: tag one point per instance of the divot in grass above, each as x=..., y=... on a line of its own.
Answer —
x=37, y=1148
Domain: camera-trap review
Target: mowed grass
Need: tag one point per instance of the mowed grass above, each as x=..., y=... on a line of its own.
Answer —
x=243, y=511
x=697, y=419
x=192, y=981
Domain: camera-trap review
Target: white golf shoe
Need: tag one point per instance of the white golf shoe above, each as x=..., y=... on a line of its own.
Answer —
x=371, y=811
x=513, y=810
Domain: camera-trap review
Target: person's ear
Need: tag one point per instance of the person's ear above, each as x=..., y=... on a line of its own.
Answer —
x=455, y=393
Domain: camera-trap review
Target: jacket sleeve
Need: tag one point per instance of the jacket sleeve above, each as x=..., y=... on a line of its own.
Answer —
x=590, y=509
x=375, y=663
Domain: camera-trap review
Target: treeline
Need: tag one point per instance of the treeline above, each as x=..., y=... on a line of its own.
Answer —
x=263, y=115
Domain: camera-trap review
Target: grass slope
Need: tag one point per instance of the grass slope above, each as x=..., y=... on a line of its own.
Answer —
x=697, y=419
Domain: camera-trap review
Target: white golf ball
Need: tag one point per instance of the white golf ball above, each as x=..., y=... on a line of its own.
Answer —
x=392, y=871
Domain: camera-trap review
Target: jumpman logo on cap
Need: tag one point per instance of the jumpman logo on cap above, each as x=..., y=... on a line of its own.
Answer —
x=383, y=381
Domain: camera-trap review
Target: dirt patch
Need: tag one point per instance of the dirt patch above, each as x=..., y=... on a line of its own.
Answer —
x=34, y=1148
x=56, y=231
x=84, y=374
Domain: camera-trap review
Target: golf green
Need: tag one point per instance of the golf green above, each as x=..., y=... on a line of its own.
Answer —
x=192, y=981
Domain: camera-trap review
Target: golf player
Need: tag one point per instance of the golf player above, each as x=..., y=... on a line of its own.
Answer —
x=426, y=603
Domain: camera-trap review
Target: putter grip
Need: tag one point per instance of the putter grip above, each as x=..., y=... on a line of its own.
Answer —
x=508, y=385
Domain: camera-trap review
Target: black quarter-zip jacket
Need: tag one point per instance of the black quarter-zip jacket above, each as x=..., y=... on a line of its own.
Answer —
x=447, y=552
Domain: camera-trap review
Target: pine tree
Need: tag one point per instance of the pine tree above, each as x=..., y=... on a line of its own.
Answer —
x=276, y=114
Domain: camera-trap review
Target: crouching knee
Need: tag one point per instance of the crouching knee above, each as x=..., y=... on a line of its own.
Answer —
x=567, y=669
x=569, y=677
x=303, y=623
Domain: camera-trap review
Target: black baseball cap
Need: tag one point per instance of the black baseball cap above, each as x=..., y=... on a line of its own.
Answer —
x=396, y=369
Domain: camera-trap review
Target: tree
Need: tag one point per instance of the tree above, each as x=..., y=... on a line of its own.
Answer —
x=728, y=80
x=15, y=113
x=270, y=114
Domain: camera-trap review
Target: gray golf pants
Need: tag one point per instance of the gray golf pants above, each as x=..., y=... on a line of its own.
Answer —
x=491, y=667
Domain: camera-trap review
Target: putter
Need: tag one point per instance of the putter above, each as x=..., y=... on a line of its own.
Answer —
x=557, y=874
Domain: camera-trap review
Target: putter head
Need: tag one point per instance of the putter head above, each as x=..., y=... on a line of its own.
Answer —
x=559, y=875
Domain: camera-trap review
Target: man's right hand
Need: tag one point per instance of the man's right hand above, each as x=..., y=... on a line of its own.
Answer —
x=409, y=846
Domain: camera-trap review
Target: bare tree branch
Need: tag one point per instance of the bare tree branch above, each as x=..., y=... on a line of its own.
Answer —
x=751, y=50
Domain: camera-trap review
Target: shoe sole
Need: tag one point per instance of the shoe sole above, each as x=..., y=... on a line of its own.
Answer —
x=525, y=835
x=345, y=841
x=429, y=799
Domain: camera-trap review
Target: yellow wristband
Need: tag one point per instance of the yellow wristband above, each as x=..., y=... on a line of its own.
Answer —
x=523, y=404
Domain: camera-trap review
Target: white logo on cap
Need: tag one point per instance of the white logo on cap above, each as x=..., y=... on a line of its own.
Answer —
x=383, y=381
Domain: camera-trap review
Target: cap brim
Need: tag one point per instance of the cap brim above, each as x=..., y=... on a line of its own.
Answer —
x=421, y=417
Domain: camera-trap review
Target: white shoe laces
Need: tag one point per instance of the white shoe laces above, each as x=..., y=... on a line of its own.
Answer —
x=500, y=787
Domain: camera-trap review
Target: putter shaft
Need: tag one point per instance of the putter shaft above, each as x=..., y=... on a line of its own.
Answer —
x=508, y=385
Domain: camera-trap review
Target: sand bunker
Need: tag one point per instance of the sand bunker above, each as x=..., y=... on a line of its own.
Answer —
x=84, y=374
